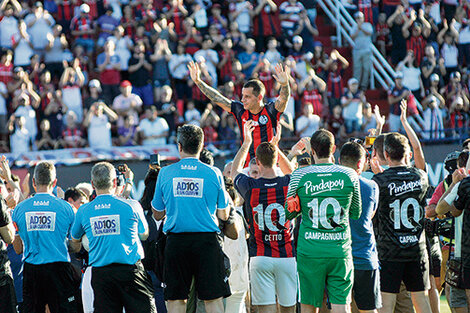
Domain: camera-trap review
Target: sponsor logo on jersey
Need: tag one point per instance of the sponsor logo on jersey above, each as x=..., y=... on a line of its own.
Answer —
x=326, y=236
x=103, y=206
x=189, y=167
x=408, y=239
x=263, y=120
x=405, y=187
x=41, y=203
x=105, y=225
x=40, y=221
x=188, y=187
x=328, y=185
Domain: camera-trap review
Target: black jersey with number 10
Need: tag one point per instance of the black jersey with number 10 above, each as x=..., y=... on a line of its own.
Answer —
x=400, y=217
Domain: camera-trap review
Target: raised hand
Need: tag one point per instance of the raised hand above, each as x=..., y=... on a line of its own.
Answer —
x=458, y=175
x=248, y=132
x=275, y=140
x=380, y=119
x=302, y=146
x=5, y=170
x=403, y=107
x=194, y=71
x=282, y=74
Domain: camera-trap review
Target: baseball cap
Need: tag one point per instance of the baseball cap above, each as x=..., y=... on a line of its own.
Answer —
x=94, y=83
x=85, y=8
x=352, y=81
x=308, y=55
x=358, y=14
x=434, y=77
x=126, y=83
x=38, y=4
x=399, y=75
x=455, y=75
x=297, y=39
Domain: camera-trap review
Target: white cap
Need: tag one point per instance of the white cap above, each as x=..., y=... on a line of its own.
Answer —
x=85, y=8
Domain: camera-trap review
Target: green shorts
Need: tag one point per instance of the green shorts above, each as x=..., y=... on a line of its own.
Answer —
x=336, y=275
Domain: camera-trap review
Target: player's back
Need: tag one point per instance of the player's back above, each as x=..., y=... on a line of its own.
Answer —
x=264, y=211
x=400, y=216
x=329, y=194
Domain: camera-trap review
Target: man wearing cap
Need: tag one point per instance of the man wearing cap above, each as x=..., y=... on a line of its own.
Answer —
x=127, y=103
x=395, y=95
x=361, y=33
x=82, y=29
x=433, y=121
x=353, y=102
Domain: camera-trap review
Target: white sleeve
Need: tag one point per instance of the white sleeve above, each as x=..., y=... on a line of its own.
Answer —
x=450, y=198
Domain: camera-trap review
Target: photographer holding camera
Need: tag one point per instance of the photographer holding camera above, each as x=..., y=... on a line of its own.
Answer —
x=451, y=201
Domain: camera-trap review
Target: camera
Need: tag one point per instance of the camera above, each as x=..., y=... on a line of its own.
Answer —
x=442, y=227
x=121, y=168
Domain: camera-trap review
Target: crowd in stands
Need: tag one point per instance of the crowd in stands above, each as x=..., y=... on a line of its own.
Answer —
x=77, y=73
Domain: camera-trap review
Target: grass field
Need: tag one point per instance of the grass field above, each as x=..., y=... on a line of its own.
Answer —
x=444, y=306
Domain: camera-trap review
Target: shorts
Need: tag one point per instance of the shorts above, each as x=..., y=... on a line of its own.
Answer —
x=273, y=277
x=466, y=277
x=7, y=295
x=366, y=289
x=87, y=292
x=199, y=255
x=415, y=276
x=54, y=284
x=314, y=273
x=118, y=286
x=457, y=298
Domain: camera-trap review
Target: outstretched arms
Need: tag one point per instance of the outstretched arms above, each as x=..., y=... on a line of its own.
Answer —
x=214, y=95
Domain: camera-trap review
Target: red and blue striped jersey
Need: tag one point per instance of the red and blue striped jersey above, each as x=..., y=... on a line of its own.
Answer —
x=270, y=235
x=265, y=124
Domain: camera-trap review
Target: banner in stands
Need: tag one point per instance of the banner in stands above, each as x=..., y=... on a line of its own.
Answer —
x=136, y=158
x=84, y=155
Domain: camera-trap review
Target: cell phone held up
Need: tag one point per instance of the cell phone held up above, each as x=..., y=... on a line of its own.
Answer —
x=154, y=160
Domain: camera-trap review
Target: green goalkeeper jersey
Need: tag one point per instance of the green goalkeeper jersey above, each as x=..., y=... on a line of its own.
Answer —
x=329, y=195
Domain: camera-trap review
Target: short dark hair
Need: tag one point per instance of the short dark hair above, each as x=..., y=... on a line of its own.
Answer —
x=257, y=85
x=396, y=145
x=351, y=153
x=462, y=159
x=266, y=154
x=44, y=174
x=305, y=161
x=322, y=143
x=206, y=157
x=465, y=143
x=191, y=138
x=379, y=146
x=74, y=193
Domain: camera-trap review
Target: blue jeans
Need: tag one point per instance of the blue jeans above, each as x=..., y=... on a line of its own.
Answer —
x=158, y=293
x=87, y=44
x=352, y=125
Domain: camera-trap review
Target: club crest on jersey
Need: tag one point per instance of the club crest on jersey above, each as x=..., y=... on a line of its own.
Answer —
x=263, y=120
x=105, y=225
x=40, y=221
x=188, y=187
